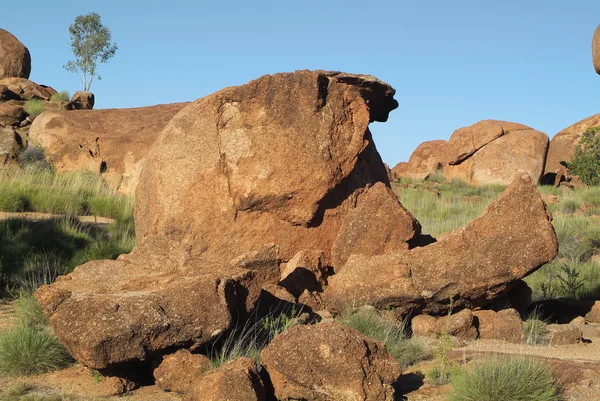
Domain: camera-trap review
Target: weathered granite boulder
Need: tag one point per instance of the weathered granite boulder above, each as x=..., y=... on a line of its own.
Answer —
x=15, y=60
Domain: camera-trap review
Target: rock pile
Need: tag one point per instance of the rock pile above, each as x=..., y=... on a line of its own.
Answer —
x=488, y=152
x=274, y=191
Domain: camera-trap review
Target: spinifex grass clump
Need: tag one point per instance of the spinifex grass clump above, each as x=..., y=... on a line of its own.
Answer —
x=505, y=379
x=62, y=96
x=535, y=329
x=398, y=344
x=34, y=107
x=250, y=338
x=27, y=350
x=72, y=194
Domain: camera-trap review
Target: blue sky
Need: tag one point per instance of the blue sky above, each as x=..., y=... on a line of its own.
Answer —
x=452, y=63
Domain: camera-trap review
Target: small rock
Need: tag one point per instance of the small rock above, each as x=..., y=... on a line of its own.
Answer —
x=459, y=325
x=81, y=101
x=329, y=361
x=593, y=316
x=235, y=380
x=424, y=325
x=180, y=370
x=564, y=334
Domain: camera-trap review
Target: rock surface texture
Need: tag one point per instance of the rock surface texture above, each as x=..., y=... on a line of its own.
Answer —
x=15, y=60
x=470, y=265
x=329, y=362
x=113, y=142
x=492, y=152
x=427, y=158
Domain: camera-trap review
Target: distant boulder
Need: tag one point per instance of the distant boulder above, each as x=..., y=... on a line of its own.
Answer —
x=563, y=145
x=24, y=89
x=596, y=50
x=112, y=142
x=15, y=60
x=82, y=101
x=499, y=160
x=425, y=160
x=493, y=151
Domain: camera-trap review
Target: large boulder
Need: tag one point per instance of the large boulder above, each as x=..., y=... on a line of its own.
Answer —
x=467, y=140
x=11, y=113
x=596, y=50
x=328, y=362
x=113, y=142
x=499, y=160
x=427, y=158
x=15, y=60
x=469, y=266
x=563, y=145
x=24, y=89
x=236, y=184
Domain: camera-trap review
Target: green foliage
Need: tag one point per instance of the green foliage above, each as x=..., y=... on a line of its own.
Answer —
x=570, y=281
x=367, y=321
x=458, y=204
x=34, y=158
x=535, y=329
x=505, y=379
x=34, y=107
x=71, y=194
x=29, y=312
x=569, y=206
x=62, y=96
x=438, y=176
x=91, y=45
x=249, y=339
x=586, y=161
x=25, y=350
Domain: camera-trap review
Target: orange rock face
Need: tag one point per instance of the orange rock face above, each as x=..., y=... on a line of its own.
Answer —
x=427, y=158
x=113, y=142
x=329, y=361
x=469, y=265
x=15, y=60
x=499, y=160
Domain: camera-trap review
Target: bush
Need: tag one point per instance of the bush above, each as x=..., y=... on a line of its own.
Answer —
x=25, y=350
x=367, y=321
x=34, y=157
x=249, y=339
x=505, y=379
x=62, y=96
x=586, y=161
x=34, y=107
x=29, y=312
x=535, y=329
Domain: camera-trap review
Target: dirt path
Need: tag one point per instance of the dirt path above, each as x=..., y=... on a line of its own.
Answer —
x=34, y=216
x=577, y=367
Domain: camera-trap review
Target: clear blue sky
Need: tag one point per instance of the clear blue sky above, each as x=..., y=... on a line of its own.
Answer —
x=452, y=63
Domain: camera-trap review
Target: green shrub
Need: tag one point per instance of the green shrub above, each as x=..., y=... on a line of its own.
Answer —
x=367, y=321
x=28, y=311
x=535, y=329
x=34, y=107
x=569, y=206
x=25, y=350
x=34, y=157
x=62, y=96
x=505, y=379
x=586, y=161
x=438, y=177
x=249, y=339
